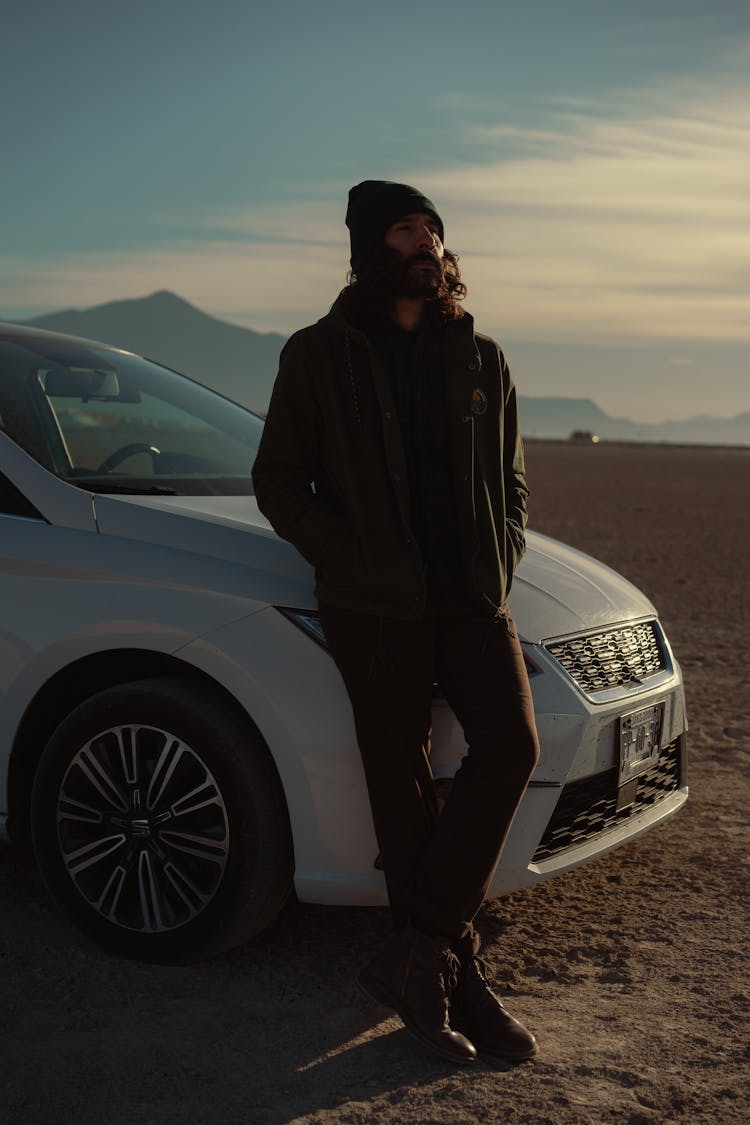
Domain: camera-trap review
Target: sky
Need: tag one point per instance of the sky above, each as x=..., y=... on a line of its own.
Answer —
x=590, y=160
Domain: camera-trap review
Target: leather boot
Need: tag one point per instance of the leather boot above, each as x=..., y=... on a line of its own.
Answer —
x=478, y=1012
x=414, y=975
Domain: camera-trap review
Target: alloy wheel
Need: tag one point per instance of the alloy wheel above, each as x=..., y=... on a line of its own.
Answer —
x=142, y=828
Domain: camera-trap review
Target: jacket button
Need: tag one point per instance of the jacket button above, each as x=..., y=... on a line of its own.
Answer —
x=388, y=415
x=466, y=477
x=465, y=418
x=472, y=366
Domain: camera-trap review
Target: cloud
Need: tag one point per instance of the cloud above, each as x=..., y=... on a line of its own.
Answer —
x=610, y=229
x=609, y=224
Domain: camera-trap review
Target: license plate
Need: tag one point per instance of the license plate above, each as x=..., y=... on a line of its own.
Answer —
x=639, y=741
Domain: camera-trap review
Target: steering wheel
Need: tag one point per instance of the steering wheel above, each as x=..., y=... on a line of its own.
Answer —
x=125, y=451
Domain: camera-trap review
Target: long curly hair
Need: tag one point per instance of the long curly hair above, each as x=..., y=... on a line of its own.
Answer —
x=367, y=300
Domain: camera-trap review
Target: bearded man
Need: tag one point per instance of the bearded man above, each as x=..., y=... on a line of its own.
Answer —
x=391, y=458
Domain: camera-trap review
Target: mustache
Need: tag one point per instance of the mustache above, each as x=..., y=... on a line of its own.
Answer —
x=423, y=256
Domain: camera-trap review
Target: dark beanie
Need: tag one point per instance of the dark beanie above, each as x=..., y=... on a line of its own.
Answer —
x=375, y=205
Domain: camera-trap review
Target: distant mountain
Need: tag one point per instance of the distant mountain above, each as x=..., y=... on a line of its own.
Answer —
x=242, y=364
x=560, y=417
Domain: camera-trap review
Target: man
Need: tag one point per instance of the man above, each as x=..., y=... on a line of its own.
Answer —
x=391, y=458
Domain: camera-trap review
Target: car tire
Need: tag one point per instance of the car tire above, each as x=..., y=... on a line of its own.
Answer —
x=159, y=821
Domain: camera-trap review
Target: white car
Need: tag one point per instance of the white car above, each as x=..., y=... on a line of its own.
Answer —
x=176, y=744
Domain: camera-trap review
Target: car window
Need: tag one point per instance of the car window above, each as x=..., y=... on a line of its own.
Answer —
x=111, y=421
x=14, y=503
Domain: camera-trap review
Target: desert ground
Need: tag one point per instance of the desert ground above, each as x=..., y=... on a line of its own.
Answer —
x=632, y=970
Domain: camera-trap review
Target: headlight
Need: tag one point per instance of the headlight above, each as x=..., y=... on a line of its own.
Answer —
x=308, y=621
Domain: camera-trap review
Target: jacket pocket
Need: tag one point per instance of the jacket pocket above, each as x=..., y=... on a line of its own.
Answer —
x=340, y=562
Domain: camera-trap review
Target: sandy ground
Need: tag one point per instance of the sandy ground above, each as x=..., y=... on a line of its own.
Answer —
x=632, y=971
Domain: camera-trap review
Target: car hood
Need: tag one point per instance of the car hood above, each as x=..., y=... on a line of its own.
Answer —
x=557, y=590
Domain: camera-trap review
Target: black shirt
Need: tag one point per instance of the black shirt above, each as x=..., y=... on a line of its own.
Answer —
x=415, y=368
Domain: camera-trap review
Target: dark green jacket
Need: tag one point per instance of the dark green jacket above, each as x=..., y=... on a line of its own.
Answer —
x=331, y=475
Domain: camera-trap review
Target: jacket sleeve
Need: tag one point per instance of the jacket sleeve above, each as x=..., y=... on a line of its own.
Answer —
x=514, y=472
x=288, y=461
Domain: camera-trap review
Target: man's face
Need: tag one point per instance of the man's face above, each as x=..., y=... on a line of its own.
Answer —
x=414, y=266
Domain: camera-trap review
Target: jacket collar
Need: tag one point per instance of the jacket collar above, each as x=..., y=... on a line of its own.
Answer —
x=459, y=334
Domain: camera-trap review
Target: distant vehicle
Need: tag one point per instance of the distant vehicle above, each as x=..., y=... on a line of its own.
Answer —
x=176, y=743
x=584, y=437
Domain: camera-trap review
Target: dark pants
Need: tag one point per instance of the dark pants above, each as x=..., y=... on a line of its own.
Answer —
x=437, y=866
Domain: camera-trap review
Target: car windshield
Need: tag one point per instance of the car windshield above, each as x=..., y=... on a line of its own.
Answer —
x=109, y=421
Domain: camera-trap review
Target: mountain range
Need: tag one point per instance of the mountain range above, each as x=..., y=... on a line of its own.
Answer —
x=242, y=365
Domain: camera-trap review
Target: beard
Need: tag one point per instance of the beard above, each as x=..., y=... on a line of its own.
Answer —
x=418, y=276
x=377, y=280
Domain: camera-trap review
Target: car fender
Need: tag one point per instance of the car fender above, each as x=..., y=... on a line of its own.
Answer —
x=294, y=694
x=72, y=594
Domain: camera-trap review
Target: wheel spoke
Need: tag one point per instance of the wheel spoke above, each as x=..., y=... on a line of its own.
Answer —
x=71, y=809
x=128, y=757
x=185, y=887
x=201, y=846
x=163, y=770
x=100, y=779
x=78, y=860
x=149, y=893
x=109, y=899
x=199, y=798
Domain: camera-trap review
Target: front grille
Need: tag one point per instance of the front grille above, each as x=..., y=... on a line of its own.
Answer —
x=589, y=807
x=615, y=658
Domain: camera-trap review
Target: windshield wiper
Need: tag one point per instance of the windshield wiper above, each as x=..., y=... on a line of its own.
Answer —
x=104, y=486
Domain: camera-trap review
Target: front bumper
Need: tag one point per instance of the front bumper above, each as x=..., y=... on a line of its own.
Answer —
x=574, y=809
x=583, y=821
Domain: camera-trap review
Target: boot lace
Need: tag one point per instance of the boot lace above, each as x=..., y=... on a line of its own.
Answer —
x=474, y=977
x=482, y=968
x=451, y=971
